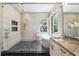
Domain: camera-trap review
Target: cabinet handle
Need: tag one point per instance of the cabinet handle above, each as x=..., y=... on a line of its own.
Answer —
x=63, y=51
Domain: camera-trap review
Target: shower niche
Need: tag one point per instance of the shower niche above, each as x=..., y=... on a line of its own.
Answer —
x=14, y=26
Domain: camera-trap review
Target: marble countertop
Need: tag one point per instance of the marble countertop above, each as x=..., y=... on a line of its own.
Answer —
x=71, y=45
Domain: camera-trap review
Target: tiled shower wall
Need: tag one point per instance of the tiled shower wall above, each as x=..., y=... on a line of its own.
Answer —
x=9, y=14
x=32, y=26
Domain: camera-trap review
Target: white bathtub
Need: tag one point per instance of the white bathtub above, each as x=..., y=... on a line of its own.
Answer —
x=45, y=39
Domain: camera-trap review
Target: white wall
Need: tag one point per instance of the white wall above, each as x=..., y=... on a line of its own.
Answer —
x=32, y=25
x=9, y=14
x=71, y=8
x=48, y=25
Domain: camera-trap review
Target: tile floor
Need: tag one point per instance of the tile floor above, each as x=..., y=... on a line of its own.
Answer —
x=30, y=48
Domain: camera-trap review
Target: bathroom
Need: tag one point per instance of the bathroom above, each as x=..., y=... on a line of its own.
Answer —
x=32, y=29
x=24, y=29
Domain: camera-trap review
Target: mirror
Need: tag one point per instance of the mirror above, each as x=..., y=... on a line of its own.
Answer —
x=71, y=20
x=54, y=23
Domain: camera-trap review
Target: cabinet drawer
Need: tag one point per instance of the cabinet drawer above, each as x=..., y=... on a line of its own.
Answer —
x=66, y=53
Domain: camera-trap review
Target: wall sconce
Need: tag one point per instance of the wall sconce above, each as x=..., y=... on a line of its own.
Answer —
x=24, y=24
x=74, y=24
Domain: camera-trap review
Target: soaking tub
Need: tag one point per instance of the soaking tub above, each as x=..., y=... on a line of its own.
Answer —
x=45, y=37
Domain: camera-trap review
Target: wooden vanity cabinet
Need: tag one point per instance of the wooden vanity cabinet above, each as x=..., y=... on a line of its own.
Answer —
x=57, y=50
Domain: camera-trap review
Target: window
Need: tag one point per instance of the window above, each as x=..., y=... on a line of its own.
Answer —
x=54, y=23
x=43, y=25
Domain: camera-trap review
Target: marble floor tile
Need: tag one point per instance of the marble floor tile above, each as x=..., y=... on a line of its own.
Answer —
x=25, y=48
x=35, y=46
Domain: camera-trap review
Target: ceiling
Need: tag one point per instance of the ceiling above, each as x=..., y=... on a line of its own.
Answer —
x=44, y=7
x=34, y=7
x=71, y=8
